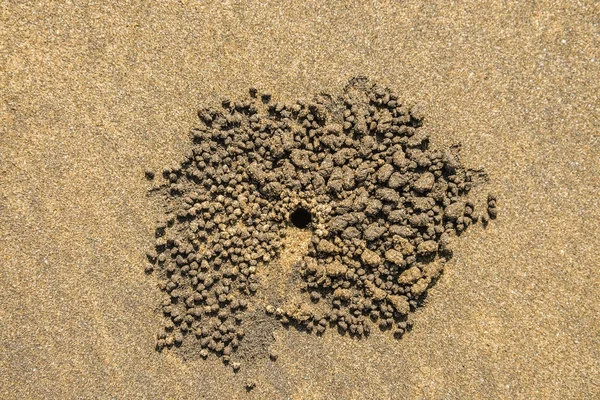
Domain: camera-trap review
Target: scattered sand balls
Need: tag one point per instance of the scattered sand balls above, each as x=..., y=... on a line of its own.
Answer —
x=355, y=170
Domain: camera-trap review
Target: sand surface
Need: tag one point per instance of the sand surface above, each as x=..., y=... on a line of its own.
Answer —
x=92, y=94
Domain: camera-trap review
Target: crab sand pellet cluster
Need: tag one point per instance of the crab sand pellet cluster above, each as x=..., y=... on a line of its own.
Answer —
x=355, y=170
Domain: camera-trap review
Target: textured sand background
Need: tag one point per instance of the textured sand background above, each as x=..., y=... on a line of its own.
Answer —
x=91, y=94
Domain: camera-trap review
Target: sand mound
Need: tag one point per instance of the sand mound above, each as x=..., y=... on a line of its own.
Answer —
x=348, y=181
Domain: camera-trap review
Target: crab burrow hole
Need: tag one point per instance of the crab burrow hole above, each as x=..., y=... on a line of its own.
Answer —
x=301, y=218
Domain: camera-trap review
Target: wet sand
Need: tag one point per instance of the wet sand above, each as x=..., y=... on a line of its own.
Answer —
x=93, y=95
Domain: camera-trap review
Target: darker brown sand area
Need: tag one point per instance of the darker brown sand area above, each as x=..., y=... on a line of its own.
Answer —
x=92, y=95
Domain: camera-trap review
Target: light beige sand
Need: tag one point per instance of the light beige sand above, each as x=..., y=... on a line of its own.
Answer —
x=92, y=95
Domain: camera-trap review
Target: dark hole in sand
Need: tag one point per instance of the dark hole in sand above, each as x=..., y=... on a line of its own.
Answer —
x=301, y=218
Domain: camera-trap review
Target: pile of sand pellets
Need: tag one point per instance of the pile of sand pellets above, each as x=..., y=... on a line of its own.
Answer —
x=353, y=172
